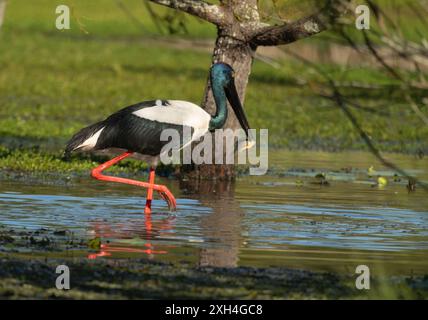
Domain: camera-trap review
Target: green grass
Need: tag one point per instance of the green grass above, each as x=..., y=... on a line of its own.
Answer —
x=42, y=163
x=95, y=17
x=146, y=279
x=54, y=82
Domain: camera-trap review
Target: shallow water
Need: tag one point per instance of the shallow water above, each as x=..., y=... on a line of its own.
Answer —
x=285, y=218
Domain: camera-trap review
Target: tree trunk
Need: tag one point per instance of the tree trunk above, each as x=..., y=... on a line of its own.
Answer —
x=233, y=48
x=240, y=31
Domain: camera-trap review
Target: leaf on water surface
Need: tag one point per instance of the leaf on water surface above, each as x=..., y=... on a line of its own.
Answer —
x=382, y=181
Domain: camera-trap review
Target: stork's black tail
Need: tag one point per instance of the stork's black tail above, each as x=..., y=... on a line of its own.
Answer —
x=81, y=136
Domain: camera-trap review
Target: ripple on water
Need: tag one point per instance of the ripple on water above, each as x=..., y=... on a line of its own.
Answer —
x=263, y=225
x=269, y=217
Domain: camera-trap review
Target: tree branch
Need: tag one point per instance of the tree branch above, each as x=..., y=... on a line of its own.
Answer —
x=285, y=34
x=302, y=28
x=201, y=9
x=337, y=97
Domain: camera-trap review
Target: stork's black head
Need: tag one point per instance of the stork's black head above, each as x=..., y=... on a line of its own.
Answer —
x=222, y=73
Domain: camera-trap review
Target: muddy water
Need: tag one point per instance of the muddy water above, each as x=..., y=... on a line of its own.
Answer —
x=287, y=218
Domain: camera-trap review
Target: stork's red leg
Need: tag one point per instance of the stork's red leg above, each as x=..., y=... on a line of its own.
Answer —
x=163, y=191
x=148, y=208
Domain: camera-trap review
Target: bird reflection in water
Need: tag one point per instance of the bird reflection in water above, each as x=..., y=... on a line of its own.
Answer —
x=143, y=229
x=221, y=229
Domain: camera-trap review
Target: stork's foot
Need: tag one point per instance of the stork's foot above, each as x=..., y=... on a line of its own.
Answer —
x=168, y=197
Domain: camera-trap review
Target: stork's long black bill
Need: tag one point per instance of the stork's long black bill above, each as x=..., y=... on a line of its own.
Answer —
x=232, y=96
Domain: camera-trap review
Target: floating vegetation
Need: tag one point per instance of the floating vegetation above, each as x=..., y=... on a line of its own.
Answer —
x=382, y=182
x=94, y=243
x=321, y=179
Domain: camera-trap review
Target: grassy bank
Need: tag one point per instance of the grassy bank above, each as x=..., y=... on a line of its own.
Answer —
x=54, y=82
x=144, y=279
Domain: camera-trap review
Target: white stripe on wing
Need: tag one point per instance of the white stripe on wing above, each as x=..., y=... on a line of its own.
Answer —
x=90, y=142
x=178, y=112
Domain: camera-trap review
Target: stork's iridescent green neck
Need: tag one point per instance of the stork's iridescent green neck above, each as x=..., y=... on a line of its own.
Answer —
x=221, y=76
x=223, y=88
x=219, y=119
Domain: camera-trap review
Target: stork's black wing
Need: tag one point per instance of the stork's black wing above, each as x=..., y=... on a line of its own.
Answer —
x=125, y=130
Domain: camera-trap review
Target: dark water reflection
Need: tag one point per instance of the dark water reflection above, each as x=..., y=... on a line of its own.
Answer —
x=283, y=219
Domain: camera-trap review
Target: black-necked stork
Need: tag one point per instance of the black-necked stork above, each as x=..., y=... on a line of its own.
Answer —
x=136, y=130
